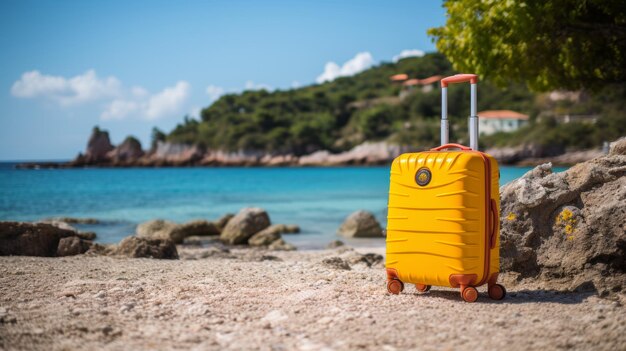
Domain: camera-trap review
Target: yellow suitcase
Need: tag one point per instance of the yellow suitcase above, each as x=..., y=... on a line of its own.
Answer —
x=443, y=218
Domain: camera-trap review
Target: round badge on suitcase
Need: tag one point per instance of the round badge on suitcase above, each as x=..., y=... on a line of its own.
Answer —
x=423, y=176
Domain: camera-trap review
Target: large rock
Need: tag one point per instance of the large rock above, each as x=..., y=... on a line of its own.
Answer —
x=199, y=227
x=62, y=224
x=266, y=236
x=32, y=239
x=361, y=224
x=72, y=245
x=246, y=223
x=135, y=247
x=288, y=228
x=567, y=230
x=98, y=146
x=222, y=221
x=281, y=245
x=161, y=229
x=128, y=151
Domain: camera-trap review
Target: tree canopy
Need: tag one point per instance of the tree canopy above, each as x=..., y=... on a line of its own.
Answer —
x=551, y=44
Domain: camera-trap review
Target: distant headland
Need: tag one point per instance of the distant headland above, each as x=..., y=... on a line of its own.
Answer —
x=370, y=118
x=100, y=152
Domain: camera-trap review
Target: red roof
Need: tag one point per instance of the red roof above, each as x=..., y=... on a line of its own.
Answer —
x=399, y=77
x=411, y=82
x=430, y=80
x=503, y=114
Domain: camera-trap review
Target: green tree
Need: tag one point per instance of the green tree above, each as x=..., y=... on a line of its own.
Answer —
x=156, y=136
x=549, y=44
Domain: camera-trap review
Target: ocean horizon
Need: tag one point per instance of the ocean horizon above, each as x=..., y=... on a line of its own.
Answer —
x=317, y=199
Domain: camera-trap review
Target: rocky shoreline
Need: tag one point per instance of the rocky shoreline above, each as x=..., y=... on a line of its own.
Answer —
x=101, y=153
x=550, y=227
x=225, y=285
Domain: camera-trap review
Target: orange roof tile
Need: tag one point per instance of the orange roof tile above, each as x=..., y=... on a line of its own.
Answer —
x=430, y=80
x=504, y=114
x=411, y=82
x=399, y=77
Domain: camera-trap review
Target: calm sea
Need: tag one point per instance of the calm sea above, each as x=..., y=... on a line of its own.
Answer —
x=317, y=199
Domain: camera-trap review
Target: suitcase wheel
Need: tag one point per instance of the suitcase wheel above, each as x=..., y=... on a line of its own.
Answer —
x=496, y=292
x=395, y=286
x=469, y=294
x=422, y=288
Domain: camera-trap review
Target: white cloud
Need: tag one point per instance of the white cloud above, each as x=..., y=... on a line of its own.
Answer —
x=87, y=87
x=119, y=109
x=139, y=92
x=66, y=91
x=214, y=92
x=408, y=53
x=250, y=85
x=359, y=63
x=168, y=101
x=295, y=84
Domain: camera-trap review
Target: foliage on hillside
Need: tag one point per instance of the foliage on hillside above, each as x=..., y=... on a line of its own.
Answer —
x=347, y=111
x=608, y=105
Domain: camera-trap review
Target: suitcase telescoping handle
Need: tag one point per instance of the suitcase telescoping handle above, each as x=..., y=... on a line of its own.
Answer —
x=473, y=118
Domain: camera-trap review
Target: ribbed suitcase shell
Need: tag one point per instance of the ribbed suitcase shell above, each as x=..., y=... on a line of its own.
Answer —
x=441, y=229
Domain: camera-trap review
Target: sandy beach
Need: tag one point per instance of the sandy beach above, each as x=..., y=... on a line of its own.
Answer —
x=258, y=299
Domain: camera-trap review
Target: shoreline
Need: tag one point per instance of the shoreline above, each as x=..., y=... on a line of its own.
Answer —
x=563, y=160
x=101, y=153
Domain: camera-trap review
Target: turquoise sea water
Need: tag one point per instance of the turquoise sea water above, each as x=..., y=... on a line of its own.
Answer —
x=317, y=199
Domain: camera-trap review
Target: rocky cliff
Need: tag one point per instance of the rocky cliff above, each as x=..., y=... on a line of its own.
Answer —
x=100, y=152
x=568, y=230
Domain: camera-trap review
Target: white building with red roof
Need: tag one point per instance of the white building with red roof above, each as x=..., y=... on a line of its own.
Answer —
x=494, y=121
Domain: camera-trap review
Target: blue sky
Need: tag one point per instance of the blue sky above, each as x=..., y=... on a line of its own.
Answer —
x=66, y=66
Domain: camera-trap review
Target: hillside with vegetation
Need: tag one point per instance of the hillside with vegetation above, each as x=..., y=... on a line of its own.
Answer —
x=338, y=115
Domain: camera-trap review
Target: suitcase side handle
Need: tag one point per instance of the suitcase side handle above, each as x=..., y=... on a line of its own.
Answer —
x=451, y=146
x=473, y=118
x=493, y=213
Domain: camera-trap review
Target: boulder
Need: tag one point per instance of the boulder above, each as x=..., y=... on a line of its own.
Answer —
x=266, y=236
x=361, y=224
x=65, y=225
x=281, y=245
x=290, y=229
x=199, y=227
x=161, y=229
x=31, y=239
x=618, y=147
x=567, y=230
x=86, y=235
x=222, y=221
x=246, y=223
x=59, y=224
x=72, y=245
x=135, y=247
